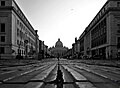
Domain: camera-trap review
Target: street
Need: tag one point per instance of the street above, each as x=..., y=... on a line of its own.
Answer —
x=60, y=74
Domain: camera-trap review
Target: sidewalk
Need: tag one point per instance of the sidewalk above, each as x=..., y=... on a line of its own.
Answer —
x=12, y=63
x=110, y=63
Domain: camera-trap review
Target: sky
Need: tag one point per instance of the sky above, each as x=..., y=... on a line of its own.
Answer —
x=64, y=19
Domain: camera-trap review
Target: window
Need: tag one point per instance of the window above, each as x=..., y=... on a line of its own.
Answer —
x=17, y=22
x=21, y=43
x=2, y=3
x=18, y=31
x=17, y=42
x=118, y=25
x=118, y=4
x=21, y=34
x=18, y=51
x=22, y=52
x=2, y=38
x=2, y=27
x=2, y=50
x=118, y=42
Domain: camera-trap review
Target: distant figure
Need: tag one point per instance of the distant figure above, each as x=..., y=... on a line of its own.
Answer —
x=58, y=58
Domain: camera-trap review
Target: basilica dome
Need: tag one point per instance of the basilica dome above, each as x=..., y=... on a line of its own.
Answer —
x=58, y=50
x=59, y=43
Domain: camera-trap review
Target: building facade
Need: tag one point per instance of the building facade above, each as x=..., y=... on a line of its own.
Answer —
x=43, y=50
x=17, y=36
x=68, y=54
x=76, y=48
x=102, y=36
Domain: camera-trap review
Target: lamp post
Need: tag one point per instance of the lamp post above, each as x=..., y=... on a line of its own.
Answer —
x=58, y=57
x=19, y=50
x=0, y=54
x=19, y=55
x=26, y=42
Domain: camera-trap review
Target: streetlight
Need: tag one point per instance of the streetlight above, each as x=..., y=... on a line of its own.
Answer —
x=0, y=54
x=19, y=50
x=26, y=42
x=19, y=55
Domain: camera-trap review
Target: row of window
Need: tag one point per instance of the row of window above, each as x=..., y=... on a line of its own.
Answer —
x=21, y=52
x=21, y=25
x=24, y=23
x=22, y=28
x=22, y=16
x=100, y=14
x=20, y=33
x=23, y=44
x=98, y=34
x=20, y=43
x=99, y=41
x=23, y=36
x=2, y=30
x=99, y=27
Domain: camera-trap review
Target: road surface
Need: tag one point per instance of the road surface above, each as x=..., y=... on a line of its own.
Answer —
x=60, y=74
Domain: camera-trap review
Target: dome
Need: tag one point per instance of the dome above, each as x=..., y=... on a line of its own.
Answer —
x=59, y=43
